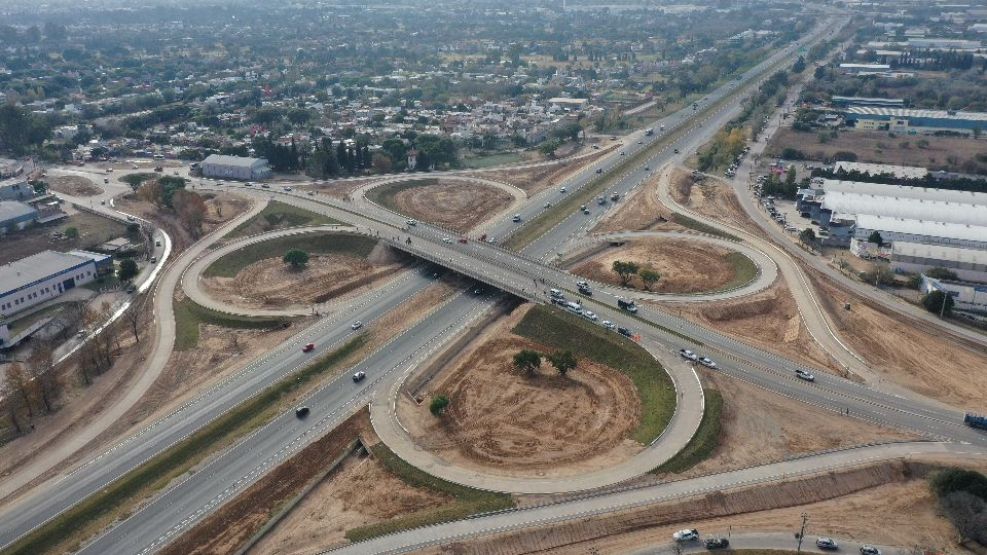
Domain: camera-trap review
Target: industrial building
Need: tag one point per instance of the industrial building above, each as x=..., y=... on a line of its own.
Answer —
x=916, y=258
x=903, y=120
x=235, y=167
x=44, y=276
x=920, y=231
x=970, y=297
x=16, y=188
x=900, y=172
x=15, y=216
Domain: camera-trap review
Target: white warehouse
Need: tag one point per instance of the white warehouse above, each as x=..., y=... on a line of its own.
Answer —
x=40, y=277
x=235, y=167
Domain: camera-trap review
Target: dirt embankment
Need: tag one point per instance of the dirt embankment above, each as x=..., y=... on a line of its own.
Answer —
x=272, y=283
x=641, y=211
x=710, y=197
x=537, y=179
x=74, y=185
x=503, y=421
x=908, y=352
x=685, y=266
x=221, y=208
x=456, y=205
x=760, y=427
x=768, y=320
x=340, y=189
x=885, y=504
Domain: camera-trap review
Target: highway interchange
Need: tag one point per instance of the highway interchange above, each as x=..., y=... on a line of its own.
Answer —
x=526, y=275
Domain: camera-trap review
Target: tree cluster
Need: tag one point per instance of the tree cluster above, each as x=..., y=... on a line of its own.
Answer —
x=626, y=270
x=527, y=361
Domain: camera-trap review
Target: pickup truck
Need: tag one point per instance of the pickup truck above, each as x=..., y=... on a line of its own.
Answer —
x=975, y=421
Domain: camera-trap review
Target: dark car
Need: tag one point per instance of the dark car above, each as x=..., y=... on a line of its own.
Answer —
x=717, y=543
x=827, y=544
x=301, y=412
x=308, y=348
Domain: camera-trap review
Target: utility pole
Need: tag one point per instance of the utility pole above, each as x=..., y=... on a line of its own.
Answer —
x=798, y=549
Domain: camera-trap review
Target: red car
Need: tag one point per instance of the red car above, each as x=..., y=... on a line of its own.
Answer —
x=308, y=348
x=462, y=240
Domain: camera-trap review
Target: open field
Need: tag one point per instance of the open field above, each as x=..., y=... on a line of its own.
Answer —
x=74, y=185
x=685, y=266
x=278, y=215
x=189, y=317
x=710, y=197
x=93, y=230
x=907, y=352
x=455, y=205
x=480, y=161
x=641, y=211
x=942, y=153
x=230, y=265
x=536, y=424
x=769, y=319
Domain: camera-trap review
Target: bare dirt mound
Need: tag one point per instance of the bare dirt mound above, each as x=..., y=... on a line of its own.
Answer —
x=536, y=179
x=272, y=283
x=685, y=266
x=710, y=197
x=641, y=211
x=769, y=320
x=457, y=205
x=503, y=421
x=74, y=185
x=907, y=351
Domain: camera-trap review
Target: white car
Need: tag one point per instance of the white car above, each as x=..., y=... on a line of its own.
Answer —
x=686, y=535
x=609, y=325
x=707, y=362
x=869, y=550
x=562, y=189
x=590, y=315
x=446, y=240
x=804, y=375
x=356, y=325
x=689, y=355
x=412, y=222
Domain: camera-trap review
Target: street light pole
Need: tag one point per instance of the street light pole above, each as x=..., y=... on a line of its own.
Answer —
x=798, y=548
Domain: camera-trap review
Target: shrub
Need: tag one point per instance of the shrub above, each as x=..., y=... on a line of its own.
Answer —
x=438, y=405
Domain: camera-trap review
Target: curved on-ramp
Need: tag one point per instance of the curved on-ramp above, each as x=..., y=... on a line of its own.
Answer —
x=767, y=270
x=689, y=408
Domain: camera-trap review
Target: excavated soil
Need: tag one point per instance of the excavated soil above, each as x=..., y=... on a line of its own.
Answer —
x=710, y=197
x=768, y=320
x=74, y=185
x=641, y=211
x=272, y=283
x=502, y=421
x=909, y=352
x=685, y=266
x=459, y=206
x=361, y=493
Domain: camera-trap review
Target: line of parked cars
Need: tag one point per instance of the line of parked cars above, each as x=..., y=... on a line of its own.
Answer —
x=823, y=543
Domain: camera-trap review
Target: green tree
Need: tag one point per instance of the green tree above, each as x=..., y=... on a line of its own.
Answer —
x=128, y=269
x=71, y=233
x=549, y=147
x=625, y=270
x=527, y=360
x=438, y=405
x=649, y=277
x=934, y=302
x=875, y=237
x=563, y=361
x=296, y=258
x=807, y=236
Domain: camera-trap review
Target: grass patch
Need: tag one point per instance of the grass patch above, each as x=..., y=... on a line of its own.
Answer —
x=560, y=330
x=278, y=215
x=744, y=271
x=686, y=221
x=706, y=440
x=384, y=195
x=312, y=243
x=468, y=501
x=491, y=160
x=189, y=315
x=104, y=506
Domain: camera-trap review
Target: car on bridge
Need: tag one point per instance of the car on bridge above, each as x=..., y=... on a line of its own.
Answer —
x=827, y=544
x=686, y=535
x=804, y=375
x=358, y=377
x=308, y=348
x=707, y=362
x=717, y=543
x=609, y=325
x=688, y=355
